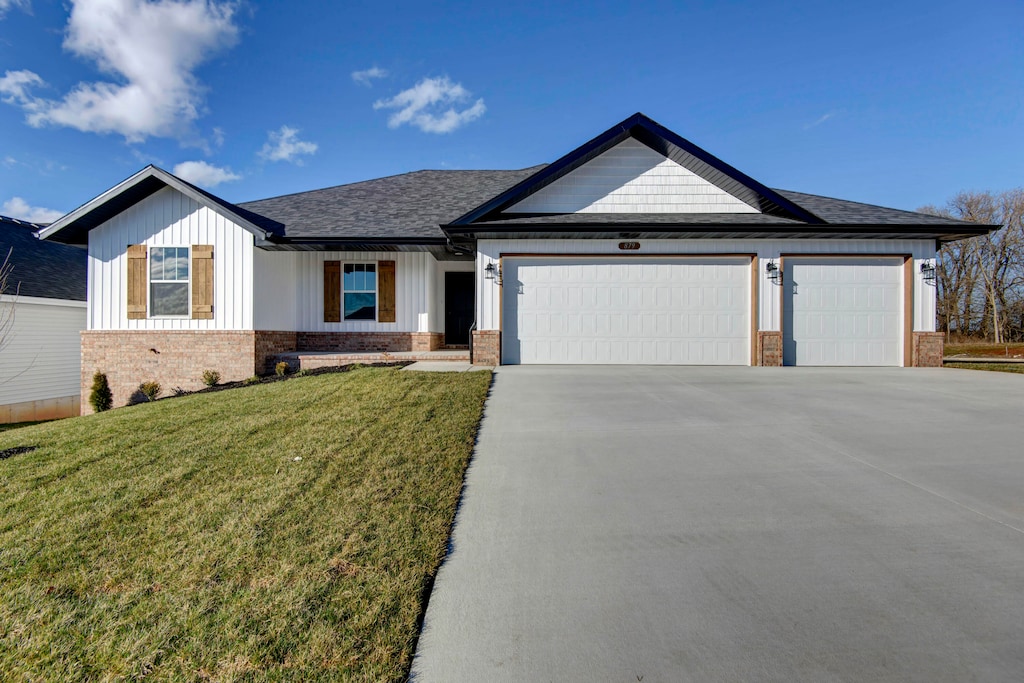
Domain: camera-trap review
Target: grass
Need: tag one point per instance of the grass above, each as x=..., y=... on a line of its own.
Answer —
x=17, y=425
x=985, y=349
x=286, y=531
x=994, y=367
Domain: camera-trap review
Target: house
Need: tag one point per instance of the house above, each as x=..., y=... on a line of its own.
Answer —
x=636, y=247
x=42, y=313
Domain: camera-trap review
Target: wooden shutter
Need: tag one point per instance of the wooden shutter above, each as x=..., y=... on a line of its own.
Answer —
x=136, y=284
x=386, y=291
x=332, y=291
x=202, y=281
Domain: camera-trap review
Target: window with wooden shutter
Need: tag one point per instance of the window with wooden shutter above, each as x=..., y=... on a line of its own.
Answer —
x=202, y=281
x=136, y=282
x=386, y=291
x=332, y=291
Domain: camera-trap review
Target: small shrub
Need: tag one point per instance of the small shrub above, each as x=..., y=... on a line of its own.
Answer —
x=211, y=378
x=150, y=390
x=255, y=379
x=101, y=397
x=281, y=369
x=302, y=372
x=178, y=391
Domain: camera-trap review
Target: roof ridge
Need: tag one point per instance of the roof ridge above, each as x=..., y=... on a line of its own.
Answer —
x=396, y=175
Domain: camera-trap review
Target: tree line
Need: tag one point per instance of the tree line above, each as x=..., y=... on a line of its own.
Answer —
x=981, y=280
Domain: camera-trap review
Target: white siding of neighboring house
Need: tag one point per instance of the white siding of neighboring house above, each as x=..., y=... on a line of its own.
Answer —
x=413, y=273
x=169, y=218
x=631, y=178
x=41, y=355
x=489, y=251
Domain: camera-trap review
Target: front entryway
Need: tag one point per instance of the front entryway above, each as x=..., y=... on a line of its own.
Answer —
x=458, y=308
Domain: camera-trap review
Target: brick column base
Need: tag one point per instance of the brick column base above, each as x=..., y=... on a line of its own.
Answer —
x=427, y=341
x=928, y=349
x=769, y=349
x=487, y=347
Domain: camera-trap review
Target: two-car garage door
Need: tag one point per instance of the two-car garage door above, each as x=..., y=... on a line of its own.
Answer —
x=644, y=310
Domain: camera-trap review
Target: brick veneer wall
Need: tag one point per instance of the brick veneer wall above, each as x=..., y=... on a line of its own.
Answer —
x=427, y=341
x=769, y=349
x=928, y=349
x=270, y=344
x=354, y=342
x=487, y=347
x=172, y=358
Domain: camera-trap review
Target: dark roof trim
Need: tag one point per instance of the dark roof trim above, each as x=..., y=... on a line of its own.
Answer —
x=663, y=141
x=75, y=226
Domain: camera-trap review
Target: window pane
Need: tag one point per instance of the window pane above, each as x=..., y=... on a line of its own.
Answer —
x=371, y=278
x=156, y=263
x=350, y=277
x=181, y=272
x=360, y=306
x=170, y=298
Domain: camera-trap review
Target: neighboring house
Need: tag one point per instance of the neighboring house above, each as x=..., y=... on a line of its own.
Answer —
x=43, y=310
x=637, y=247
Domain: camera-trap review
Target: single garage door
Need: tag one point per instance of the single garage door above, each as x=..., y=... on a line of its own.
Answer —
x=843, y=311
x=616, y=310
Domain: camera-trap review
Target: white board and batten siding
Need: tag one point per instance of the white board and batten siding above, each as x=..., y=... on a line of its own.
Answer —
x=42, y=355
x=631, y=178
x=168, y=218
x=414, y=272
x=768, y=308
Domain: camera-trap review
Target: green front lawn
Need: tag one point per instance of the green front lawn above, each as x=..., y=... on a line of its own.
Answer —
x=285, y=531
x=992, y=367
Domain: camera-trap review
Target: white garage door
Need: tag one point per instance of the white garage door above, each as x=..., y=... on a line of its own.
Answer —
x=659, y=311
x=843, y=311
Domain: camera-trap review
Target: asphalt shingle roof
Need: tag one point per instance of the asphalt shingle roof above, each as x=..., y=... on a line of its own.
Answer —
x=41, y=268
x=411, y=205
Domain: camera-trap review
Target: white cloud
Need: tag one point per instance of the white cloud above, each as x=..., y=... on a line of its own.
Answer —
x=16, y=207
x=285, y=145
x=150, y=48
x=204, y=174
x=820, y=120
x=8, y=4
x=422, y=104
x=366, y=76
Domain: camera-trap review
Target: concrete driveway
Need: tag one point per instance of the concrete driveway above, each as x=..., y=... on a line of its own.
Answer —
x=737, y=524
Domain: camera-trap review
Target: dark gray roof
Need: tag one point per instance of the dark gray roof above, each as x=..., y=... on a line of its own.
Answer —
x=410, y=206
x=844, y=212
x=43, y=269
x=637, y=219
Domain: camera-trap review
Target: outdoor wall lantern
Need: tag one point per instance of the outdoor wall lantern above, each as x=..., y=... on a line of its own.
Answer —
x=928, y=272
x=493, y=272
x=774, y=272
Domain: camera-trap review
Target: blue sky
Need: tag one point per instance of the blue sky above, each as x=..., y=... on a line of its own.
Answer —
x=893, y=103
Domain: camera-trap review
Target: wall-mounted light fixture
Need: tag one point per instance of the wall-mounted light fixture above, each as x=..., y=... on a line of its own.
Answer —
x=774, y=272
x=492, y=271
x=928, y=272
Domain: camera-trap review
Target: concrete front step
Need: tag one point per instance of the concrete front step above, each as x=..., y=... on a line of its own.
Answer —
x=310, y=360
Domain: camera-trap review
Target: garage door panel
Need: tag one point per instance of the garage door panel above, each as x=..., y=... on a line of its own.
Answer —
x=843, y=311
x=608, y=311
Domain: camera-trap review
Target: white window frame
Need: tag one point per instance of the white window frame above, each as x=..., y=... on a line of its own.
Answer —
x=150, y=281
x=374, y=291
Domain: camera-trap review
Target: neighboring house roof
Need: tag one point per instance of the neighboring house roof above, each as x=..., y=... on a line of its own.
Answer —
x=429, y=209
x=41, y=269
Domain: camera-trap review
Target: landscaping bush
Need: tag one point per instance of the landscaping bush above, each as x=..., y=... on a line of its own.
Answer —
x=150, y=390
x=211, y=378
x=255, y=379
x=100, y=398
x=281, y=369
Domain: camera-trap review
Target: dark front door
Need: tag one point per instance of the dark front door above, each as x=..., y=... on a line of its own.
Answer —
x=458, y=307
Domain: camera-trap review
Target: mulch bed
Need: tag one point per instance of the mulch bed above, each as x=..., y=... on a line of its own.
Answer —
x=17, y=450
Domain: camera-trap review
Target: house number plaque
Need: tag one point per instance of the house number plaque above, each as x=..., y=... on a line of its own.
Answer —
x=629, y=246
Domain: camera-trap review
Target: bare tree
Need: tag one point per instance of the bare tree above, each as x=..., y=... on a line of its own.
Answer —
x=981, y=279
